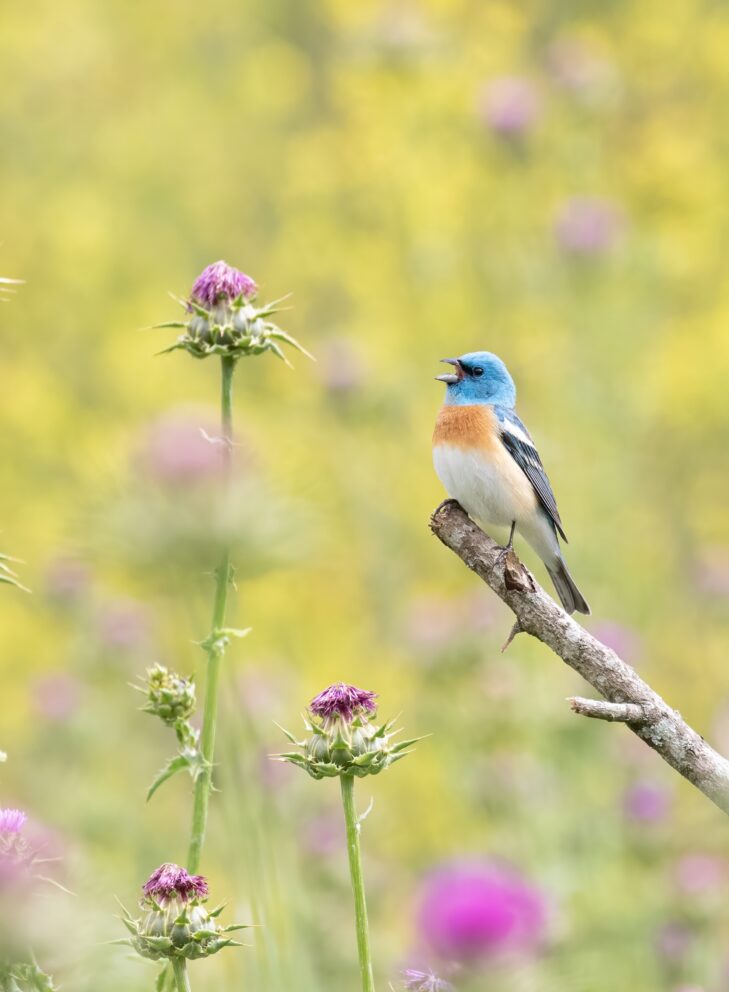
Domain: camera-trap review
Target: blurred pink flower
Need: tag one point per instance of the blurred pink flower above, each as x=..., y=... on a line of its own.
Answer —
x=623, y=640
x=472, y=911
x=700, y=872
x=510, y=106
x=673, y=941
x=587, y=226
x=179, y=448
x=56, y=697
x=646, y=802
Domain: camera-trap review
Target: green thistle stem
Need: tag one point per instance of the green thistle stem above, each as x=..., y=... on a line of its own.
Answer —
x=355, y=869
x=182, y=979
x=216, y=643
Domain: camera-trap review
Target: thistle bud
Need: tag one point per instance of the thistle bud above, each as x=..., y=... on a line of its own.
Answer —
x=169, y=696
x=223, y=318
x=176, y=924
x=343, y=739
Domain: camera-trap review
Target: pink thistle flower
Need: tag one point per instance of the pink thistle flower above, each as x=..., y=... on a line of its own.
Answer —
x=221, y=283
x=471, y=912
x=344, y=701
x=12, y=821
x=170, y=881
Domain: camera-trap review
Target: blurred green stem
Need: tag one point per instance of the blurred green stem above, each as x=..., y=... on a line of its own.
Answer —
x=182, y=980
x=216, y=642
x=355, y=869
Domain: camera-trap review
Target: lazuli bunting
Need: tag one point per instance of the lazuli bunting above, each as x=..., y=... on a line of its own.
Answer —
x=485, y=457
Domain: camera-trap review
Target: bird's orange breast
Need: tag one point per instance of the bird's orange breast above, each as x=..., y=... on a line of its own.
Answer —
x=467, y=427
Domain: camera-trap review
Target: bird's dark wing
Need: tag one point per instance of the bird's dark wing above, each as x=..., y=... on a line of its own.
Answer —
x=518, y=443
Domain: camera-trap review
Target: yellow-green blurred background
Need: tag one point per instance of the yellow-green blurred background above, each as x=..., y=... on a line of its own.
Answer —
x=544, y=180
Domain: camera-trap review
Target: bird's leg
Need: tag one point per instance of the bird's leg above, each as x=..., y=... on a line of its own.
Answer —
x=510, y=542
x=509, y=546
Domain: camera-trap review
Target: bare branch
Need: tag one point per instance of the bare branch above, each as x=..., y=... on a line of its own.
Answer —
x=661, y=727
x=598, y=709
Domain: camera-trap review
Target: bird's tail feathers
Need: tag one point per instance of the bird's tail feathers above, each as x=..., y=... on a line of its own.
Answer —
x=571, y=597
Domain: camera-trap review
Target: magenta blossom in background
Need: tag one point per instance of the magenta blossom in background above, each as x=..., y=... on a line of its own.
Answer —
x=12, y=821
x=474, y=911
x=344, y=701
x=510, y=106
x=646, y=802
x=700, y=873
x=170, y=881
x=587, y=226
x=221, y=283
x=178, y=449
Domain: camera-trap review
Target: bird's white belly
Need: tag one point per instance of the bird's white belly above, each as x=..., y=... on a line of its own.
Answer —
x=489, y=486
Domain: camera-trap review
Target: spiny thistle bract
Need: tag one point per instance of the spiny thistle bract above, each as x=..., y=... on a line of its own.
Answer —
x=224, y=319
x=175, y=923
x=169, y=696
x=7, y=575
x=344, y=740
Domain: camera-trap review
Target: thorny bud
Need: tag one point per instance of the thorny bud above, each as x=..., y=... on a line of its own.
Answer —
x=175, y=923
x=344, y=740
x=223, y=318
x=169, y=696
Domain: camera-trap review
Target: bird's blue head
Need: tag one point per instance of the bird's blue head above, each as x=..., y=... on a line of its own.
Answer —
x=479, y=377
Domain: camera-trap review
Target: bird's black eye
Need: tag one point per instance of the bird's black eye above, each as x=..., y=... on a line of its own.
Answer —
x=478, y=371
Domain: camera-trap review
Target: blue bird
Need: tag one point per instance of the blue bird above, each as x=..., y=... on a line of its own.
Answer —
x=485, y=457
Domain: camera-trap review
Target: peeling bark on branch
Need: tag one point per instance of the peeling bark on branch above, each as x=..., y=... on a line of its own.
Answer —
x=646, y=713
x=598, y=709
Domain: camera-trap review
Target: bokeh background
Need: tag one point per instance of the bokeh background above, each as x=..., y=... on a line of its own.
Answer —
x=544, y=180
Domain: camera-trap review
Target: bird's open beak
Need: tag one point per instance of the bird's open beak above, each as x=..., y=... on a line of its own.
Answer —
x=449, y=378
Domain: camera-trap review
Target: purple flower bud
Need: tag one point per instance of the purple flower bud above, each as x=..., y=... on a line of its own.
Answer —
x=646, y=802
x=221, y=283
x=587, y=226
x=12, y=821
x=510, y=106
x=472, y=912
x=424, y=981
x=170, y=881
x=344, y=701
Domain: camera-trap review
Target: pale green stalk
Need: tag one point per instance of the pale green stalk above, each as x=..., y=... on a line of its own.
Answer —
x=182, y=980
x=215, y=643
x=355, y=869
